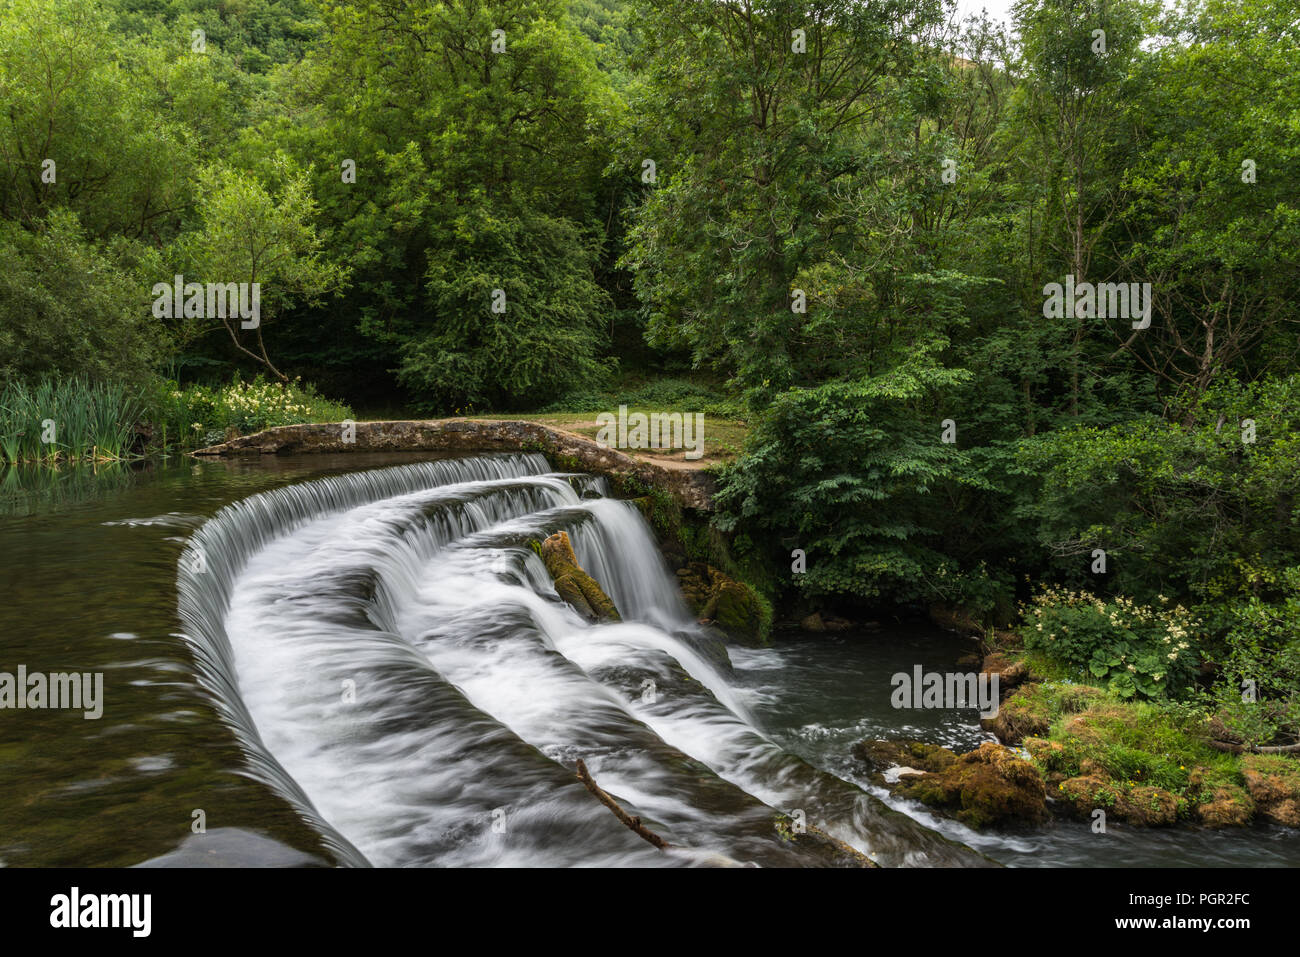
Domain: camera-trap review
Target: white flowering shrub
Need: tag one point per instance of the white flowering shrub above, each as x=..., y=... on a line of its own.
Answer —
x=1137, y=651
x=200, y=415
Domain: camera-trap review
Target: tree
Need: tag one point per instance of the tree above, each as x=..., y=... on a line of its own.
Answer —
x=248, y=235
x=71, y=307
x=783, y=128
x=1212, y=220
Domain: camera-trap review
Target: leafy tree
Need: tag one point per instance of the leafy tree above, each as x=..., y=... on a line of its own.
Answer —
x=780, y=149
x=71, y=307
x=248, y=235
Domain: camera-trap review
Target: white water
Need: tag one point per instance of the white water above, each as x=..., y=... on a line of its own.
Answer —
x=396, y=663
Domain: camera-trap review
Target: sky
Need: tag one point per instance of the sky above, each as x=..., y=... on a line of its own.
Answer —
x=997, y=9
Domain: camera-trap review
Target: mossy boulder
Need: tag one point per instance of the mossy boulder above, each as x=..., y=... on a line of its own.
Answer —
x=1088, y=792
x=1150, y=807
x=879, y=756
x=575, y=586
x=719, y=599
x=1143, y=806
x=986, y=787
x=1225, y=806
x=1273, y=781
x=1025, y=714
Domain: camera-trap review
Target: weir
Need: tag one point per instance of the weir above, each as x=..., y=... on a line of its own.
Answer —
x=395, y=663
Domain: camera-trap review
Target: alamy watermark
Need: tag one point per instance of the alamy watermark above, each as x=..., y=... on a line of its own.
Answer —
x=75, y=909
x=657, y=430
x=1103, y=300
x=933, y=689
x=36, y=691
x=214, y=300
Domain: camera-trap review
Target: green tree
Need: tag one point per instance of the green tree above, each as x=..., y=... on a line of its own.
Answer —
x=72, y=307
x=248, y=234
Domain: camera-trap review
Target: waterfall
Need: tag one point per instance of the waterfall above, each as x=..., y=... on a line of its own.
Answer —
x=397, y=665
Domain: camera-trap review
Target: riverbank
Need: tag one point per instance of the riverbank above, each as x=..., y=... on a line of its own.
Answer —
x=1071, y=750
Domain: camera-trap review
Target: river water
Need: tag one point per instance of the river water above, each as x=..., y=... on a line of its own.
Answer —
x=359, y=660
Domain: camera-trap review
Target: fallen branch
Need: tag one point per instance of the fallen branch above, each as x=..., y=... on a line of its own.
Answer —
x=1234, y=748
x=633, y=822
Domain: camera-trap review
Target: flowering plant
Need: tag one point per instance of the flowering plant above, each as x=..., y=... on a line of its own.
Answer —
x=1135, y=650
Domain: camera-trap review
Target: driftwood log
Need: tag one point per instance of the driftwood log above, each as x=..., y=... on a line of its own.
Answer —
x=633, y=822
x=573, y=584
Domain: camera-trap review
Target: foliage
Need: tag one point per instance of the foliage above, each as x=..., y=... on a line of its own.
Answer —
x=57, y=420
x=1175, y=502
x=1257, y=695
x=1141, y=744
x=1135, y=650
x=199, y=415
x=71, y=307
x=850, y=473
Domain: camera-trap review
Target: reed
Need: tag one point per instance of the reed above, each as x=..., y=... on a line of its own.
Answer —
x=71, y=420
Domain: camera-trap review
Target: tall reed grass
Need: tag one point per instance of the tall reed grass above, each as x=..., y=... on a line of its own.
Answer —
x=69, y=420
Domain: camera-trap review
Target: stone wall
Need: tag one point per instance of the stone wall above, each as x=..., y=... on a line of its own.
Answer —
x=690, y=487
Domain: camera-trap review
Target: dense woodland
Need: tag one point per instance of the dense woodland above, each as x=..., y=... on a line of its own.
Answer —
x=832, y=220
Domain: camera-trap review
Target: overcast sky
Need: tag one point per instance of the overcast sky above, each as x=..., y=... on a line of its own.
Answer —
x=997, y=9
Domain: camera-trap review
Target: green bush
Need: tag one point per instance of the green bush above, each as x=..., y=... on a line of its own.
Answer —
x=1257, y=696
x=1135, y=650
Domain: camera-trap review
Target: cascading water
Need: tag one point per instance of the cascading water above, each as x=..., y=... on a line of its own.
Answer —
x=396, y=663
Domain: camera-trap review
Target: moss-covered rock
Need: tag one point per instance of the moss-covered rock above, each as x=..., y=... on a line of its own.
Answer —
x=1273, y=781
x=1025, y=714
x=1144, y=806
x=719, y=599
x=1225, y=806
x=986, y=787
x=575, y=586
x=1150, y=807
x=880, y=755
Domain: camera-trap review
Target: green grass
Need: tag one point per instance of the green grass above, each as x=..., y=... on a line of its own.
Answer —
x=1132, y=743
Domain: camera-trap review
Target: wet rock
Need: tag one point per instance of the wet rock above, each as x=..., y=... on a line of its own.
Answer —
x=574, y=585
x=813, y=622
x=1274, y=785
x=234, y=847
x=987, y=787
x=819, y=621
x=711, y=645
x=880, y=756
x=718, y=599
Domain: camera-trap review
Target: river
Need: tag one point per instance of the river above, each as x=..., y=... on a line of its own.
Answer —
x=358, y=660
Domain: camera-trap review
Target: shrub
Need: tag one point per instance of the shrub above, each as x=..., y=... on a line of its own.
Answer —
x=1257, y=696
x=1136, y=650
x=199, y=415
